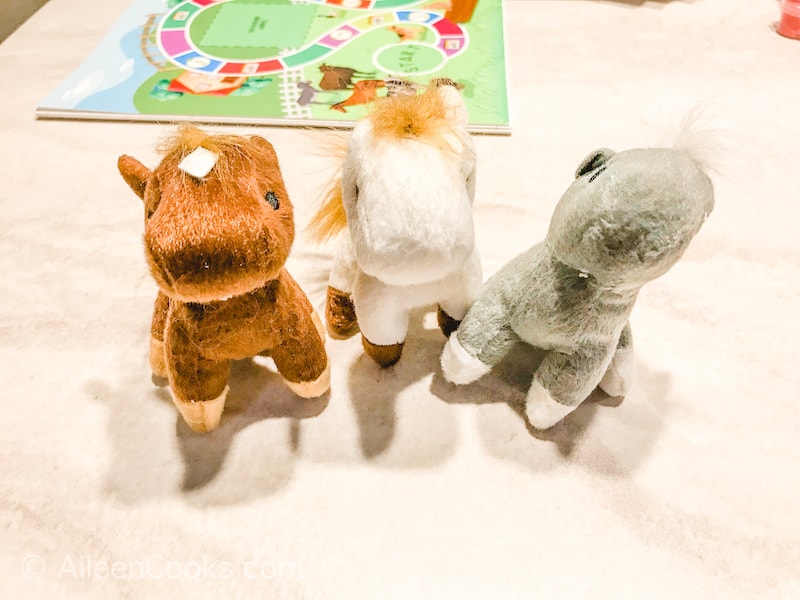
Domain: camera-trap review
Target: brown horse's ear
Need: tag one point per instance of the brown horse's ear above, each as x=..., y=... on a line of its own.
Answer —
x=271, y=171
x=265, y=146
x=134, y=173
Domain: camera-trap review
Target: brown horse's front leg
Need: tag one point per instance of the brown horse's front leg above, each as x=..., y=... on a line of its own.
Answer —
x=158, y=358
x=198, y=385
x=302, y=361
x=300, y=354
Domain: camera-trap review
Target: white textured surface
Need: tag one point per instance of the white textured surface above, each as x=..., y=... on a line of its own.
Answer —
x=404, y=486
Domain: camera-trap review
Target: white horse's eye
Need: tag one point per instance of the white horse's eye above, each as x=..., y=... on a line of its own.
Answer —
x=272, y=200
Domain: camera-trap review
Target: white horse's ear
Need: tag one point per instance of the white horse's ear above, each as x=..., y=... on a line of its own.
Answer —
x=360, y=136
x=596, y=159
x=457, y=110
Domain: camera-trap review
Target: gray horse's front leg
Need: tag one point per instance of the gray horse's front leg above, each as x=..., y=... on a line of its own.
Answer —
x=619, y=376
x=479, y=343
x=562, y=382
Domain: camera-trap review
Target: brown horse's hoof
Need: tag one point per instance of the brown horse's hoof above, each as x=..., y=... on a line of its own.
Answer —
x=158, y=358
x=340, y=314
x=446, y=323
x=385, y=356
x=202, y=416
x=312, y=389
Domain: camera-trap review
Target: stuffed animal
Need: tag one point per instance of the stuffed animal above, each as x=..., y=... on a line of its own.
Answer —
x=218, y=229
x=625, y=220
x=402, y=211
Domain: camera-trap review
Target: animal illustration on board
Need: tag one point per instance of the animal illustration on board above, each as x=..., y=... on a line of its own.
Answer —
x=364, y=92
x=308, y=94
x=340, y=78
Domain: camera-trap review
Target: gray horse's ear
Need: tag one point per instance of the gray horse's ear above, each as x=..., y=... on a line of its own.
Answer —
x=594, y=160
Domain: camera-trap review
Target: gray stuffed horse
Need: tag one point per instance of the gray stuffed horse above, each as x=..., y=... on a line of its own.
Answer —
x=625, y=220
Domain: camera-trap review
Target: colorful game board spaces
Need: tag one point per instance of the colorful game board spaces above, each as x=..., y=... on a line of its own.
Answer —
x=452, y=38
x=367, y=4
x=252, y=38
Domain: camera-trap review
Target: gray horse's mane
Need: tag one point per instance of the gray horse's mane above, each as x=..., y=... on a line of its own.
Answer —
x=703, y=142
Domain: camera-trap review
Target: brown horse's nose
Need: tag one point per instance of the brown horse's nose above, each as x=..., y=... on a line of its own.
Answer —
x=209, y=263
x=160, y=272
x=231, y=257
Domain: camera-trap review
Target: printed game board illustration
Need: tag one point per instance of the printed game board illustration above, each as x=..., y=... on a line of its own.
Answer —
x=294, y=62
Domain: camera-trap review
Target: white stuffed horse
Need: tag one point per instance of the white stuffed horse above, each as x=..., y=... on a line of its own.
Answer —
x=403, y=215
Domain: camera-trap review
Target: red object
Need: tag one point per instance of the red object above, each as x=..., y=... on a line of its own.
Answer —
x=460, y=10
x=789, y=25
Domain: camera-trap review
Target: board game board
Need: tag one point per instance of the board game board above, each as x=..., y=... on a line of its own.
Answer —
x=293, y=62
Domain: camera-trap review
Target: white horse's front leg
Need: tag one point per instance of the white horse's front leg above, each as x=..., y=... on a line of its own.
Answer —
x=383, y=314
x=340, y=313
x=459, y=295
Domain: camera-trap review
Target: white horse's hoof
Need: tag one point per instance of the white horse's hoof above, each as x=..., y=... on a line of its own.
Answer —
x=202, y=416
x=458, y=366
x=619, y=376
x=312, y=389
x=543, y=412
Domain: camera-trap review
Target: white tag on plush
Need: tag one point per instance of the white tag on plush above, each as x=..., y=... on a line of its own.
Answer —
x=199, y=163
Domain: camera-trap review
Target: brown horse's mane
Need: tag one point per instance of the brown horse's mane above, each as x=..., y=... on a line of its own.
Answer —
x=417, y=116
x=234, y=152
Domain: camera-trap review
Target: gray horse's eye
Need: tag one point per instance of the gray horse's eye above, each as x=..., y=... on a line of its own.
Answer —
x=272, y=199
x=596, y=173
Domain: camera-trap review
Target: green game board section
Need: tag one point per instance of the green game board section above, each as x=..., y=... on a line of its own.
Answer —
x=258, y=25
x=310, y=54
x=409, y=59
x=391, y=3
x=178, y=18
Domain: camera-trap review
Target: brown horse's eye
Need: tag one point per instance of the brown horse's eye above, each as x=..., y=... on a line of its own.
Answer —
x=272, y=200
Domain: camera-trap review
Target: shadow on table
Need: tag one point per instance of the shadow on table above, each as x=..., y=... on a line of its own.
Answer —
x=429, y=434
x=145, y=444
x=265, y=428
x=618, y=443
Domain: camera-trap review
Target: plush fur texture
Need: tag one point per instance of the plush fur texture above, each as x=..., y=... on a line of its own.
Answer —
x=216, y=247
x=626, y=220
x=403, y=213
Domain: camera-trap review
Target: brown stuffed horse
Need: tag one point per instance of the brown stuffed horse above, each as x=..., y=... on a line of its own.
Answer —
x=218, y=229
